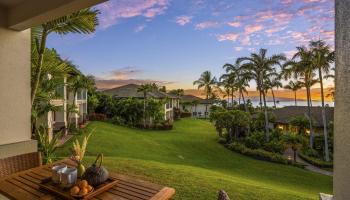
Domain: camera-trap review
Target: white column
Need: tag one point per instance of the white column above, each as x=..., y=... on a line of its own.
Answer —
x=341, y=178
x=76, y=116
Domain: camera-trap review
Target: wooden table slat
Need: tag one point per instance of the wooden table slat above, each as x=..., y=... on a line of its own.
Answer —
x=131, y=193
x=136, y=190
x=12, y=191
x=25, y=185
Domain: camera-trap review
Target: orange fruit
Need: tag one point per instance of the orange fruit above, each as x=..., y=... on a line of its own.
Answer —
x=82, y=184
x=74, y=190
x=89, y=187
x=83, y=191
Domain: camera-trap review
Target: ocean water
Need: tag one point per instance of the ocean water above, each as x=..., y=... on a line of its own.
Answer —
x=283, y=103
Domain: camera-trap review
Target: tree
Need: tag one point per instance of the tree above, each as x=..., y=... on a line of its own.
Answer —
x=294, y=86
x=322, y=57
x=54, y=69
x=177, y=92
x=145, y=89
x=301, y=67
x=301, y=123
x=271, y=83
x=83, y=21
x=208, y=82
x=259, y=66
x=77, y=83
x=295, y=142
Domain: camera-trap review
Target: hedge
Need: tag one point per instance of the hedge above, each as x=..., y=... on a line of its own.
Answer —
x=260, y=154
x=315, y=161
x=185, y=114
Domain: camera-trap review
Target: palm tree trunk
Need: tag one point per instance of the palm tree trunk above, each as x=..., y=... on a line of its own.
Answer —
x=246, y=109
x=232, y=98
x=309, y=115
x=266, y=118
x=41, y=52
x=273, y=97
x=239, y=98
x=206, y=107
x=260, y=100
x=325, y=133
x=295, y=98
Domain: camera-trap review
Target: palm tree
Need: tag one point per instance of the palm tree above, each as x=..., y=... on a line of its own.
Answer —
x=145, y=89
x=294, y=86
x=53, y=71
x=321, y=61
x=178, y=92
x=273, y=82
x=332, y=89
x=83, y=21
x=208, y=82
x=259, y=66
x=228, y=82
x=302, y=68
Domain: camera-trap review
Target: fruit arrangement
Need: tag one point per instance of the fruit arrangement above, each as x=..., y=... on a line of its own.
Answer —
x=82, y=188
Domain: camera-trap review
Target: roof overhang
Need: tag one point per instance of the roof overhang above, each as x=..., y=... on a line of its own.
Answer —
x=24, y=14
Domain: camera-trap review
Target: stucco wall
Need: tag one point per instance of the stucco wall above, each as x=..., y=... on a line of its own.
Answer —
x=14, y=85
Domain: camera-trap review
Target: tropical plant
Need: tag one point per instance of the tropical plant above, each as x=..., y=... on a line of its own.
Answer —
x=208, y=82
x=271, y=83
x=301, y=123
x=83, y=21
x=47, y=145
x=54, y=69
x=78, y=152
x=321, y=61
x=301, y=67
x=177, y=92
x=145, y=89
x=260, y=67
x=295, y=142
x=294, y=86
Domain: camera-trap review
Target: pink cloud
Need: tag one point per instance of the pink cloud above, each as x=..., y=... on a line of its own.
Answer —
x=228, y=36
x=252, y=28
x=183, y=20
x=206, y=24
x=114, y=11
x=245, y=40
x=234, y=24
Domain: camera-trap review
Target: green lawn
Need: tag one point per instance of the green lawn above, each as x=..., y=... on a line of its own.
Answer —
x=189, y=159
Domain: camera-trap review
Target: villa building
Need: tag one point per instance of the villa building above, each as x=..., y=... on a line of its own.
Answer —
x=286, y=114
x=131, y=90
x=198, y=107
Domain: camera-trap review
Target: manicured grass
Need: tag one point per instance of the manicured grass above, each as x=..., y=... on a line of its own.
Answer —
x=189, y=159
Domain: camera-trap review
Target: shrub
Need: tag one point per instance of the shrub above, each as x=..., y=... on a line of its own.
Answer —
x=185, y=114
x=259, y=154
x=97, y=117
x=274, y=146
x=252, y=142
x=255, y=140
x=315, y=161
x=310, y=152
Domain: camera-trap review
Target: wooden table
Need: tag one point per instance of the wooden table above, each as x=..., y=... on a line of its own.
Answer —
x=24, y=185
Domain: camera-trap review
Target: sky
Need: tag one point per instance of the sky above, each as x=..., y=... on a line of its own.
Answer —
x=172, y=42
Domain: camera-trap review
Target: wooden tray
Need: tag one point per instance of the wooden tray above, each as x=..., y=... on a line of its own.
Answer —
x=47, y=184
